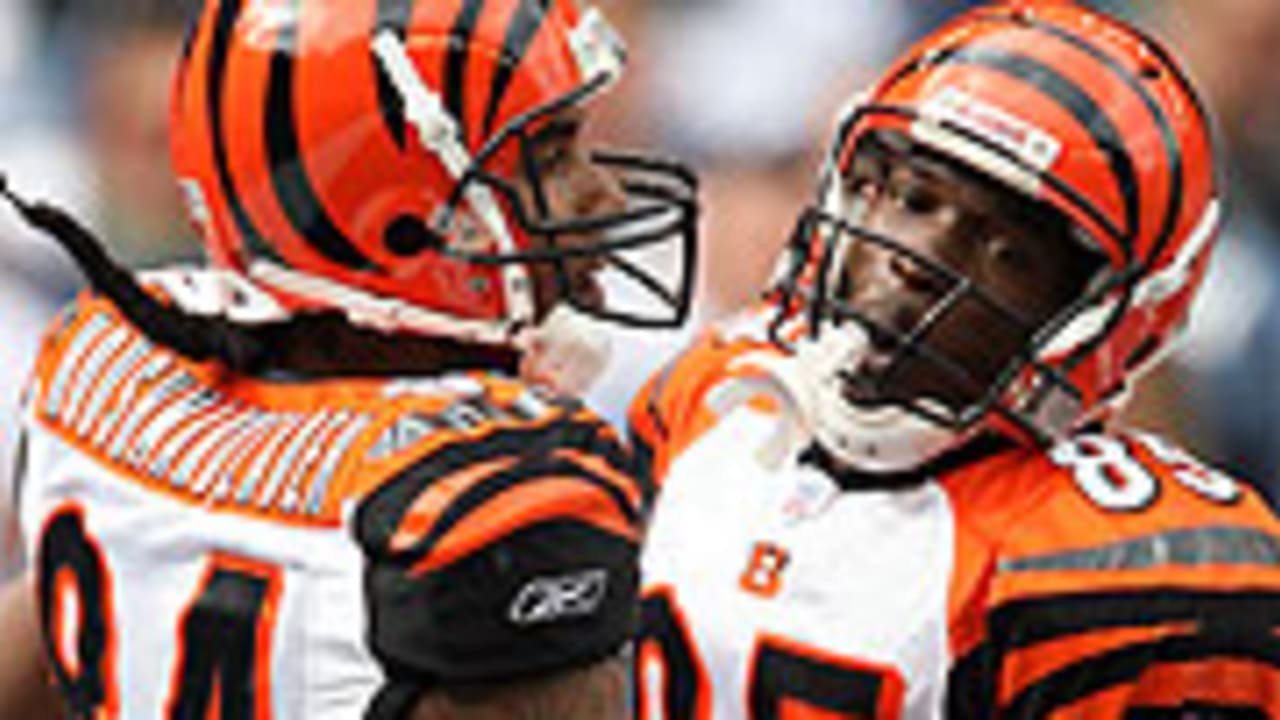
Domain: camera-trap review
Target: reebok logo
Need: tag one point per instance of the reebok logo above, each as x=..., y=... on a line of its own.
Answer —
x=547, y=599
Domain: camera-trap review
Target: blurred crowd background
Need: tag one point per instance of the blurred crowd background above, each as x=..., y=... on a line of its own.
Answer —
x=742, y=89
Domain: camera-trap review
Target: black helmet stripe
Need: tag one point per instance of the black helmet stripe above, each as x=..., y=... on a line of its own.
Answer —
x=528, y=18
x=1072, y=98
x=392, y=15
x=219, y=52
x=1173, y=150
x=184, y=60
x=288, y=172
x=189, y=36
x=194, y=23
x=455, y=62
x=1176, y=70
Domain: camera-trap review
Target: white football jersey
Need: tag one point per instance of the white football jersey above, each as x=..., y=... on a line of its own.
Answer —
x=310, y=548
x=1112, y=575
x=784, y=564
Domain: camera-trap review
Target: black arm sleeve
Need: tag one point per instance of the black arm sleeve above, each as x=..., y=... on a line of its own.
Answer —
x=545, y=598
x=528, y=567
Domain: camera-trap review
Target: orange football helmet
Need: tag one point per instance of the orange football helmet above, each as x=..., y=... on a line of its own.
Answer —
x=1075, y=110
x=364, y=155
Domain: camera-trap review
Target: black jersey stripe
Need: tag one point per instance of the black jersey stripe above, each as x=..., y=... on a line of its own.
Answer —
x=1026, y=622
x=219, y=54
x=972, y=689
x=780, y=676
x=1103, y=671
x=294, y=191
x=1196, y=710
x=383, y=511
x=492, y=489
x=527, y=19
x=644, y=467
x=1240, y=624
x=655, y=394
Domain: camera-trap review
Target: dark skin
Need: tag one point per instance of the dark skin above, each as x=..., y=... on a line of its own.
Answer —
x=1018, y=252
x=597, y=692
x=573, y=187
x=26, y=686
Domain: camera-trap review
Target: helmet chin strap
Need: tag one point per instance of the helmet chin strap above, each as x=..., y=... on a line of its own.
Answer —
x=808, y=388
x=877, y=440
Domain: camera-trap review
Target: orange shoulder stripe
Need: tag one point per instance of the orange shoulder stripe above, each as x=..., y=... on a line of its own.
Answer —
x=526, y=504
x=433, y=502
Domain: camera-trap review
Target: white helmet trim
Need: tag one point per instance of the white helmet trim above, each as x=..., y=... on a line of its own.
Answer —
x=379, y=312
x=440, y=136
x=597, y=47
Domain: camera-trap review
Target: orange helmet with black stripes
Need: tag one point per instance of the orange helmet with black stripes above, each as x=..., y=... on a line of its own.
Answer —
x=1091, y=119
x=381, y=157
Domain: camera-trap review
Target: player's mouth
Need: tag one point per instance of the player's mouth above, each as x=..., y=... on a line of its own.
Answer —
x=868, y=383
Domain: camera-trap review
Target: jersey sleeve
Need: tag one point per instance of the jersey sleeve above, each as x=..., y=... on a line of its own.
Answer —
x=503, y=554
x=1136, y=582
x=671, y=409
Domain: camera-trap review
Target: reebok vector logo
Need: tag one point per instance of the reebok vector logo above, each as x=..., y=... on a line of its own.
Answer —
x=547, y=599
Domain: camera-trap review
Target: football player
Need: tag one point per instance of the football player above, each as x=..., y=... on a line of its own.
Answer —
x=338, y=474
x=897, y=490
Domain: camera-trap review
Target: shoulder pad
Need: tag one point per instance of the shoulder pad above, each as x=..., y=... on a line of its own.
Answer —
x=1132, y=505
x=672, y=408
x=511, y=549
x=464, y=472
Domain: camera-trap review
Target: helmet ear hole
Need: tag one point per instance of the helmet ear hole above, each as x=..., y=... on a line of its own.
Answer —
x=408, y=236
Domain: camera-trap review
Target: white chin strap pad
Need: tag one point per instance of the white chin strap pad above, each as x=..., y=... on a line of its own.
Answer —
x=568, y=351
x=810, y=392
x=876, y=440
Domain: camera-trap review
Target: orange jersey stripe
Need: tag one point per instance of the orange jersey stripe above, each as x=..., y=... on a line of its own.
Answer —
x=600, y=467
x=526, y=504
x=428, y=508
